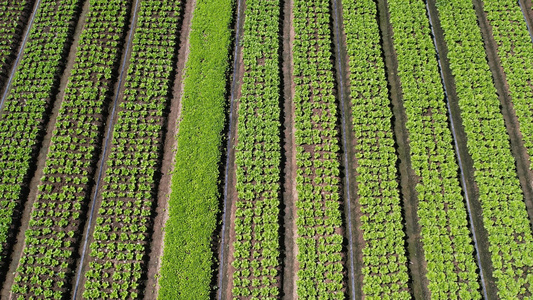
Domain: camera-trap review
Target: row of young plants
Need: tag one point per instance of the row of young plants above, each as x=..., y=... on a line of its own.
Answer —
x=13, y=16
x=123, y=222
x=448, y=250
x=504, y=211
x=318, y=222
x=258, y=157
x=57, y=219
x=24, y=112
x=188, y=260
x=516, y=55
x=384, y=259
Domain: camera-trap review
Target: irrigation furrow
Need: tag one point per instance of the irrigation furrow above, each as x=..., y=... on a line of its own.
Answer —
x=345, y=131
x=446, y=86
x=229, y=147
x=104, y=151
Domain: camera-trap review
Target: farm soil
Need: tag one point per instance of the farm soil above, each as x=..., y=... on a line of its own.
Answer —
x=408, y=179
x=169, y=156
x=228, y=269
x=288, y=236
x=27, y=207
x=349, y=169
x=101, y=167
x=229, y=235
x=518, y=149
x=468, y=164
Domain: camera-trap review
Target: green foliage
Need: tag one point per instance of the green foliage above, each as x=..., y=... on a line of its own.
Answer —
x=384, y=258
x=69, y=163
x=258, y=156
x=23, y=112
x=317, y=144
x=193, y=205
x=504, y=212
x=12, y=15
x=120, y=238
x=442, y=217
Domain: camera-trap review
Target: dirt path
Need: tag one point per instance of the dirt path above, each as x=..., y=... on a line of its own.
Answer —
x=289, y=247
x=169, y=156
x=408, y=179
x=465, y=162
x=118, y=94
x=227, y=237
x=348, y=162
x=525, y=175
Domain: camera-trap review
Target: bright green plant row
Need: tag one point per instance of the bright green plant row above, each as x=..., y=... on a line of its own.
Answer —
x=121, y=235
x=318, y=222
x=12, y=18
x=22, y=117
x=258, y=156
x=56, y=220
x=187, y=263
x=448, y=249
x=516, y=55
x=504, y=211
x=384, y=260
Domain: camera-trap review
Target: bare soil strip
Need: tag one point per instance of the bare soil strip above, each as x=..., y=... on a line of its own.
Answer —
x=290, y=196
x=523, y=161
x=465, y=162
x=408, y=179
x=169, y=156
x=289, y=247
x=349, y=165
x=225, y=249
x=78, y=281
x=18, y=243
x=231, y=180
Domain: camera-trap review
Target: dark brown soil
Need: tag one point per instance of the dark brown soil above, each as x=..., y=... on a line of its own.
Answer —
x=467, y=162
x=349, y=169
x=227, y=282
x=169, y=155
x=229, y=235
x=408, y=179
x=523, y=161
x=289, y=175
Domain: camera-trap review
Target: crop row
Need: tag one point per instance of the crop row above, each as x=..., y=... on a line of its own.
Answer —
x=384, y=260
x=24, y=111
x=516, y=55
x=318, y=222
x=258, y=156
x=123, y=222
x=13, y=14
x=187, y=263
x=448, y=249
x=504, y=212
x=58, y=213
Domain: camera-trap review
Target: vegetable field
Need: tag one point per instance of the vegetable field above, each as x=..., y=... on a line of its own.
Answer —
x=266, y=149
